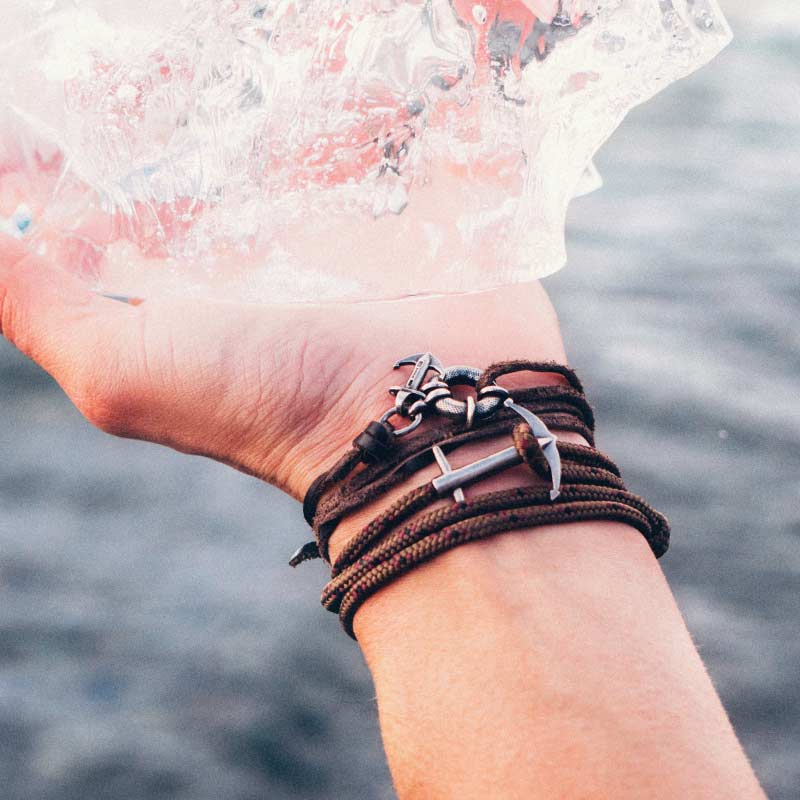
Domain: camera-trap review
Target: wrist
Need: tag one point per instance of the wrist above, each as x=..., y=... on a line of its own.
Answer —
x=368, y=399
x=346, y=388
x=412, y=526
x=489, y=582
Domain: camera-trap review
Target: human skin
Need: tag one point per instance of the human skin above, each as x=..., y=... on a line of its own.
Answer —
x=545, y=663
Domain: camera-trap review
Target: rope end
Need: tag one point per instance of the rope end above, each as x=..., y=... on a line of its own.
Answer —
x=307, y=552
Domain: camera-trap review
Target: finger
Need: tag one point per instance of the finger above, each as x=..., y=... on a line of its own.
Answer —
x=54, y=317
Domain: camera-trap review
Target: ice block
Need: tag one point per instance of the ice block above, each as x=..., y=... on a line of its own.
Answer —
x=320, y=150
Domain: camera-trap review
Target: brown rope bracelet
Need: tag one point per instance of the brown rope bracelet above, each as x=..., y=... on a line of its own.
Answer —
x=586, y=484
x=553, y=404
x=590, y=493
x=487, y=525
x=591, y=466
x=524, y=498
x=568, y=399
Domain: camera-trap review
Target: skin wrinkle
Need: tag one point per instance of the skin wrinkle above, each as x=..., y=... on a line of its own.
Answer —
x=245, y=419
x=342, y=409
x=260, y=406
x=298, y=418
x=322, y=387
x=173, y=362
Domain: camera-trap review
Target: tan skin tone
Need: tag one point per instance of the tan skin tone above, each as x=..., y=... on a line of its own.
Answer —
x=550, y=663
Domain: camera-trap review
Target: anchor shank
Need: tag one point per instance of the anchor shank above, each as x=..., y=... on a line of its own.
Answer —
x=448, y=483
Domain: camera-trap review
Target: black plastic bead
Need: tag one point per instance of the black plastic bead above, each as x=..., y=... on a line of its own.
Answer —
x=375, y=443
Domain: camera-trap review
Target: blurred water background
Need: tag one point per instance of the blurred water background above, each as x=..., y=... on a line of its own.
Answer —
x=153, y=642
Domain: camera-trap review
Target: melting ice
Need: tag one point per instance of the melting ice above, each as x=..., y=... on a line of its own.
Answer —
x=303, y=150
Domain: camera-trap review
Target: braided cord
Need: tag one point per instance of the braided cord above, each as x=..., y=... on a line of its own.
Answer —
x=588, y=493
x=409, y=533
x=469, y=531
x=583, y=463
x=367, y=484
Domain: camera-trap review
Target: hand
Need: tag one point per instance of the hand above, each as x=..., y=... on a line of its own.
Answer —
x=276, y=391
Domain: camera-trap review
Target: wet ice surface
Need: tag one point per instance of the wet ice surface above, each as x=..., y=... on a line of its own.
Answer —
x=186, y=146
x=153, y=644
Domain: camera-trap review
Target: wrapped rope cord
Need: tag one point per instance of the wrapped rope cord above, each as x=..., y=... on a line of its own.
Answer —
x=409, y=532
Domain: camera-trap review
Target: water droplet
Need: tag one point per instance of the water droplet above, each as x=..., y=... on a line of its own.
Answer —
x=22, y=218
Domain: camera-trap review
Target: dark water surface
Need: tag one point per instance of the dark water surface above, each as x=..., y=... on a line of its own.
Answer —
x=153, y=642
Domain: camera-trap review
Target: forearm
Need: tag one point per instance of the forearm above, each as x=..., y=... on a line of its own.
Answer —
x=547, y=663
x=550, y=662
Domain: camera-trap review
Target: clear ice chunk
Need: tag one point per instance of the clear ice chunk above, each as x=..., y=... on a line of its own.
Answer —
x=316, y=150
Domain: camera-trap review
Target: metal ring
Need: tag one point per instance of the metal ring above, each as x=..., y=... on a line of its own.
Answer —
x=471, y=405
x=494, y=390
x=418, y=408
x=436, y=383
x=393, y=412
x=435, y=395
x=457, y=409
x=405, y=398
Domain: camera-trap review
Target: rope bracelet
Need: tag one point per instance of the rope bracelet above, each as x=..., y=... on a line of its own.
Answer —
x=586, y=485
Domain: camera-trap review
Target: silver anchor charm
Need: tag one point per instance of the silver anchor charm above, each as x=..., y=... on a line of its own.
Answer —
x=423, y=363
x=453, y=480
x=444, y=466
x=412, y=391
x=547, y=440
x=419, y=395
